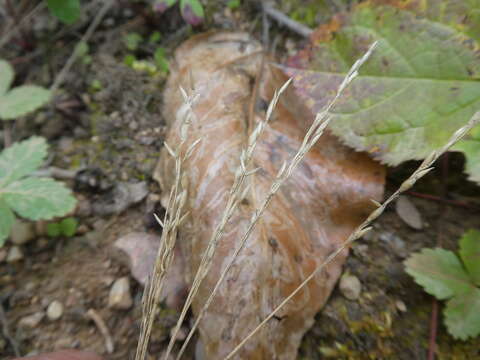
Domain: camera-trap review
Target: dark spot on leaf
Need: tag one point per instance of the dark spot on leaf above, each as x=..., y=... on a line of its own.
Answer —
x=273, y=242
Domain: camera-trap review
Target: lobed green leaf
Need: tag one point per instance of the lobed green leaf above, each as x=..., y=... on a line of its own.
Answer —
x=440, y=273
x=22, y=100
x=6, y=221
x=21, y=159
x=462, y=315
x=470, y=254
x=39, y=198
x=67, y=11
x=6, y=76
x=420, y=85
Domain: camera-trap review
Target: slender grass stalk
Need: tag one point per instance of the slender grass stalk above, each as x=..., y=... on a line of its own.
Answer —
x=316, y=130
x=236, y=194
x=174, y=216
x=363, y=228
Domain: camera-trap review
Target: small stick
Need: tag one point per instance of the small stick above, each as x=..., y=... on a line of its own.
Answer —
x=6, y=331
x=102, y=327
x=85, y=38
x=283, y=19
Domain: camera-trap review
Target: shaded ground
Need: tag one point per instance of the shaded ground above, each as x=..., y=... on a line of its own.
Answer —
x=107, y=122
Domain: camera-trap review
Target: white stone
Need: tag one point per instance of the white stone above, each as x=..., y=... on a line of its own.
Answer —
x=350, y=286
x=55, y=310
x=14, y=254
x=22, y=232
x=120, y=297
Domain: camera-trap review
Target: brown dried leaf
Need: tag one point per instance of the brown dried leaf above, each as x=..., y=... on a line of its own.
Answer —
x=326, y=197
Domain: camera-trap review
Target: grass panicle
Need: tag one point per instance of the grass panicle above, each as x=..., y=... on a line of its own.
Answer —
x=174, y=216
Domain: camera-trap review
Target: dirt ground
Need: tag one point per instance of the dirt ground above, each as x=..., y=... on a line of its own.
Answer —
x=114, y=132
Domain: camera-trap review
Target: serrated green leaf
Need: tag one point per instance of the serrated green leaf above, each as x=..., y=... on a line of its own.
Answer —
x=6, y=76
x=53, y=230
x=439, y=272
x=69, y=226
x=39, y=198
x=22, y=100
x=420, y=85
x=68, y=11
x=6, y=221
x=470, y=146
x=21, y=159
x=470, y=254
x=462, y=315
x=161, y=59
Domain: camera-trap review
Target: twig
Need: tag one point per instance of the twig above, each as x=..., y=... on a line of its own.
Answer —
x=283, y=19
x=361, y=230
x=85, y=38
x=102, y=327
x=440, y=199
x=5, y=38
x=6, y=331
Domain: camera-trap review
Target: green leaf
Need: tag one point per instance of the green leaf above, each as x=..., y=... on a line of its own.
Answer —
x=439, y=272
x=6, y=221
x=39, y=198
x=53, y=230
x=69, y=226
x=22, y=100
x=470, y=254
x=161, y=59
x=68, y=11
x=21, y=159
x=6, y=76
x=471, y=147
x=420, y=85
x=132, y=40
x=192, y=11
x=462, y=315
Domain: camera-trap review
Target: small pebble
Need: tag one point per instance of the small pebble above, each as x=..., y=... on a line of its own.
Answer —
x=120, y=297
x=55, y=310
x=14, y=254
x=400, y=305
x=350, y=286
x=31, y=321
x=22, y=232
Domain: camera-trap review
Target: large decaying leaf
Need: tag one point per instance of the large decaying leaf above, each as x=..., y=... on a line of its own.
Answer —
x=326, y=197
x=420, y=85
